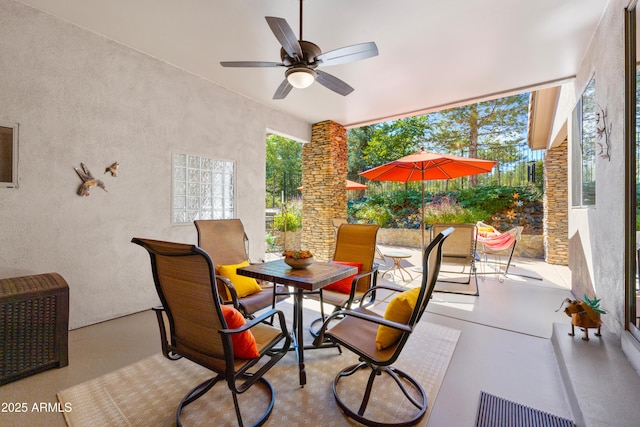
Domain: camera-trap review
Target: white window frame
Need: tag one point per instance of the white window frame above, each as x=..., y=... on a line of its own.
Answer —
x=201, y=188
x=13, y=183
x=584, y=148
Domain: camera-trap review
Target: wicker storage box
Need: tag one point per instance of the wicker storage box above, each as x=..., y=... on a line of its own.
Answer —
x=34, y=323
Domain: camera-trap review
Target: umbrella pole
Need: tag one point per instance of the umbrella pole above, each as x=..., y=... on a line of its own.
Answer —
x=422, y=216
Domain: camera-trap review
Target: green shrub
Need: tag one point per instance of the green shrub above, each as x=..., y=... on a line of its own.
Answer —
x=449, y=212
x=291, y=220
x=373, y=214
x=270, y=239
x=401, y=209
x=495, y=198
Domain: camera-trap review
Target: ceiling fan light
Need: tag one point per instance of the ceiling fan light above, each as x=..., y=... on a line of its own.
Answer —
x=300, y=78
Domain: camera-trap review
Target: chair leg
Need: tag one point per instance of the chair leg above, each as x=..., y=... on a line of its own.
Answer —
x=195, y=394
x=400, y=378
x=235, y=405
x=203, y=388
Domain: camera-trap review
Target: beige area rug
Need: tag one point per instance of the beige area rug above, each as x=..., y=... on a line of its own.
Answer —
x=147, y=392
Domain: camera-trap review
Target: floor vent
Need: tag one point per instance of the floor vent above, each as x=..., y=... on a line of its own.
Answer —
x=497, y=412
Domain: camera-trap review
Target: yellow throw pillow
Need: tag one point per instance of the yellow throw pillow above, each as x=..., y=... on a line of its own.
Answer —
x=244, y=285
x=399, y=310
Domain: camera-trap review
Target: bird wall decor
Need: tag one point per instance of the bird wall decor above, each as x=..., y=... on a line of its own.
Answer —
x=88, y=181
x=113, y=169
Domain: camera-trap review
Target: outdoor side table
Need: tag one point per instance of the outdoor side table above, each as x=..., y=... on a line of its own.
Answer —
x=397, y=256
x=34, y=323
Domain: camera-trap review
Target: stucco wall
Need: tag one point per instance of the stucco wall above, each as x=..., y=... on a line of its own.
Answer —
x=596, y=233
x=79, y=97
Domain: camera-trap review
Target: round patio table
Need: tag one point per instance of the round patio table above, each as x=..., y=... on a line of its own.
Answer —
x=397, y=256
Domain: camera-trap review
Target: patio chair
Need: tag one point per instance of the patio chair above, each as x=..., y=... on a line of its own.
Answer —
x=378, y=258
x=498, y=245
x=228, y=246
x=378, y=341
x=195, y=325
x=355, y=245
x=459, y=251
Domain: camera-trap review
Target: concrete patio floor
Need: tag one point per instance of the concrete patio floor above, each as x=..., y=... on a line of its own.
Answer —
x=506, y=348
x=514, y=344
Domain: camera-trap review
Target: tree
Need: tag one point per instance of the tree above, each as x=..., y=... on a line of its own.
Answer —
x=482, y=130
x=392, y=140
x=373, y=145
x=283, y=168
x=357, y=141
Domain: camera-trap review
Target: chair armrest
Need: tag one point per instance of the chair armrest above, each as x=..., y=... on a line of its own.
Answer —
x=373, y=289
x=367, y=317
x=362, y=274
x=167, y=348
x=357, y=277
x=232, y=290
x=260, y=319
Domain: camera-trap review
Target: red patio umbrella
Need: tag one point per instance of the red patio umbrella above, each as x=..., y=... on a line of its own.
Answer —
x=425, y=166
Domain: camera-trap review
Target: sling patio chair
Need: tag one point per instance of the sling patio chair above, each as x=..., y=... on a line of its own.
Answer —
x=355, y=246
x=378, y=342
x=228, y=246
x=195, y=325
x=378, y=258
x=459, y=252
x=498, y=245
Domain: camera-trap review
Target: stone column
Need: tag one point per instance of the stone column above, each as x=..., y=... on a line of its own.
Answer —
x=556, y=205
x=324, y=197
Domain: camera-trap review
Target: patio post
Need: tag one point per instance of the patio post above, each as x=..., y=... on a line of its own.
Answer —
x=556, y=205
x=324, y=196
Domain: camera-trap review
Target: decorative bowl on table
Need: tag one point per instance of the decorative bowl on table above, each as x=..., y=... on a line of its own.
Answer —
x=298, y=259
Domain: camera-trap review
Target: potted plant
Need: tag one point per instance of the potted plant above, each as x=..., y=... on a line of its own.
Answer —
x=298, y=258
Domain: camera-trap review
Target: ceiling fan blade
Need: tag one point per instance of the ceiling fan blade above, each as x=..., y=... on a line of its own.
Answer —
x=251, y=64
x=346, y=54
x=283, y=90
x=333, y=83
x=285, y=36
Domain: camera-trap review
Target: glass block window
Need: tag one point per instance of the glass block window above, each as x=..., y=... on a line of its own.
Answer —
x=203, y=188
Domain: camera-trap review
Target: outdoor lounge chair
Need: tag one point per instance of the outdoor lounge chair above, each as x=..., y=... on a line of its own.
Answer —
x=228, y=246
x=195, y=325
x=378, y=342
x=496, y=244
x=458, y=252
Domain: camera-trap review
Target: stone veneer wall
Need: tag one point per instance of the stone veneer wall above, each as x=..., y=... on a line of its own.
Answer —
x=556, y=213
x=324, y=171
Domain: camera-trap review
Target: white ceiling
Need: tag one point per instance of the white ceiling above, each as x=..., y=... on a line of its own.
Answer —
x=433, y=53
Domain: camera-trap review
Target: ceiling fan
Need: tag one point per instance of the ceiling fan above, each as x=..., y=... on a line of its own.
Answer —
x=302, y=58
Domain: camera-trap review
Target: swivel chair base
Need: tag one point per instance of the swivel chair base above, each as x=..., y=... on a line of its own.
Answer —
x=203, y=388
x=401, y=379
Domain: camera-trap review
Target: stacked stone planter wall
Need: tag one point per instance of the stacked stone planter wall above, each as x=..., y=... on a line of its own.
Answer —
x=529, y=246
